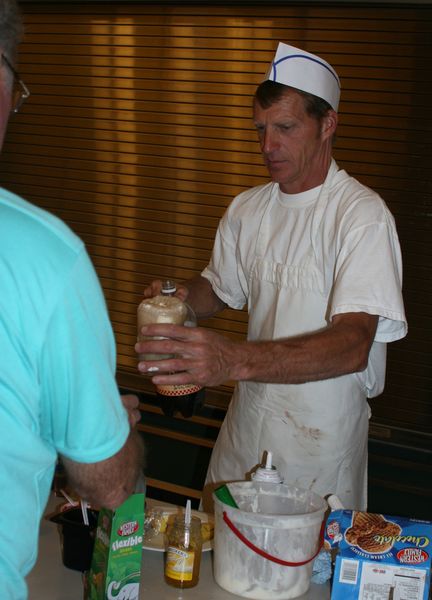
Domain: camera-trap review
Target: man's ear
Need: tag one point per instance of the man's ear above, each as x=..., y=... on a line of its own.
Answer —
x=329, y=124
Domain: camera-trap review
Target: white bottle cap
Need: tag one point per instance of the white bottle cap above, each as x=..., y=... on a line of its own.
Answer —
x=169, y=287
x=268, y=473
x=334, y=502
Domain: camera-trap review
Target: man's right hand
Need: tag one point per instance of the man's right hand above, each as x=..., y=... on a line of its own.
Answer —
x=155, y=288
x=197, y=292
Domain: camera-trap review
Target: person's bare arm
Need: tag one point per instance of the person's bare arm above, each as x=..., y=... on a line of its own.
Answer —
x=337, y=350
x=198, y=293
x=208, y=359
x=110, y=482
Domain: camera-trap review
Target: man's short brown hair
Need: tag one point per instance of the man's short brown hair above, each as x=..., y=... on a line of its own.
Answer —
x=269, y=92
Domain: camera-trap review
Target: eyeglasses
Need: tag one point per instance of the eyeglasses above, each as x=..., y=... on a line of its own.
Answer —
x=20, y=90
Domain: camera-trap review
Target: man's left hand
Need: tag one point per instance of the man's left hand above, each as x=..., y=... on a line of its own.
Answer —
x=202, y=357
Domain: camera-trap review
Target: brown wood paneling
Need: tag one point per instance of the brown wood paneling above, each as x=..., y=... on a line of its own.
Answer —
x=138, y=133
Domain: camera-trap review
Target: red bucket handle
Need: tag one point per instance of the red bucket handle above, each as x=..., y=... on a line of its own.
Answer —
x=264, y=554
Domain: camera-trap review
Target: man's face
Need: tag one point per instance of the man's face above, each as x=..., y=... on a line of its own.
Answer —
x=296, y=147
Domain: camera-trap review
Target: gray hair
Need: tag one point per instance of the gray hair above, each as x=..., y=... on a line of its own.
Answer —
x=10, y=28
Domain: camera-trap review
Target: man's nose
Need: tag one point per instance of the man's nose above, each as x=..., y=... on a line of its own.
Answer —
x=268, y=142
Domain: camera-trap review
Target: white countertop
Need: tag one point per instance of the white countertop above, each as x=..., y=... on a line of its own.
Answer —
x=50, y=580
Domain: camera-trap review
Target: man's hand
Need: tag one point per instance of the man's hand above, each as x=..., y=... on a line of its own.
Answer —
x=197, y=292
x=203, y=357
x=155, y=288
x=131, y=403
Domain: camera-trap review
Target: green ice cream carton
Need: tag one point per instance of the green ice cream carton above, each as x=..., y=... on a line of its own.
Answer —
x=116, y=563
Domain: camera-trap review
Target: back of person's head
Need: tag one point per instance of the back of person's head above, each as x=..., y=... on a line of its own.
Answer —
x=10, y=28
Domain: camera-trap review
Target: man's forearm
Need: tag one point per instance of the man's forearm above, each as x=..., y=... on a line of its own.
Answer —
x=109, y=482
x=338, y=350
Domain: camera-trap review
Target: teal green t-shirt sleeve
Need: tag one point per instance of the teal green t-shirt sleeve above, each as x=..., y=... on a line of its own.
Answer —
x=82, y=412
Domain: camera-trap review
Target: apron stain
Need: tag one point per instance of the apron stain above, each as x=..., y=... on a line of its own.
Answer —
x=310, y=433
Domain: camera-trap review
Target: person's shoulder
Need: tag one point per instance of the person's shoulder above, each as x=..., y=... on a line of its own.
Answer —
x=22, y=218
x=252, y=200
x=353, y=195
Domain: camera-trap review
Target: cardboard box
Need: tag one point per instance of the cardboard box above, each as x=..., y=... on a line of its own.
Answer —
x=116, y=563
x=379, y=557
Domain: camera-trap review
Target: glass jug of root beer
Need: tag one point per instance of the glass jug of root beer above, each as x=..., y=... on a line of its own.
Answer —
x=167, y=308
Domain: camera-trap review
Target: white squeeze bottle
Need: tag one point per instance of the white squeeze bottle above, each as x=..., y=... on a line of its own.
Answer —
x=268, y=473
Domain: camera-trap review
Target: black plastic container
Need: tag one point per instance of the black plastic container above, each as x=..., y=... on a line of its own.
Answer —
x=77, y=539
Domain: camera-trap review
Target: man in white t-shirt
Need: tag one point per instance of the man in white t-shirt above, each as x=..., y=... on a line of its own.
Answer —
x=315, y=256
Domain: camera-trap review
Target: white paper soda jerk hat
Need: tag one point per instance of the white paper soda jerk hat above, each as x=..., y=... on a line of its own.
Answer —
x=307, y=72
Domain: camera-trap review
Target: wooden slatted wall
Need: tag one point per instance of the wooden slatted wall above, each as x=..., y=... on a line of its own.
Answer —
x=138, y=133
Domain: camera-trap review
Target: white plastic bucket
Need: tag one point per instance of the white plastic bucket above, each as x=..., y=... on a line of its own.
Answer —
x=280, y=521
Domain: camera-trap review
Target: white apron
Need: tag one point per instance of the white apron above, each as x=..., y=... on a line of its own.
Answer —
x=316, y=431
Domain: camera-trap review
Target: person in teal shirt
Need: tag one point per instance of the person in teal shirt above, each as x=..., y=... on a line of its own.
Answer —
x=58, y=394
